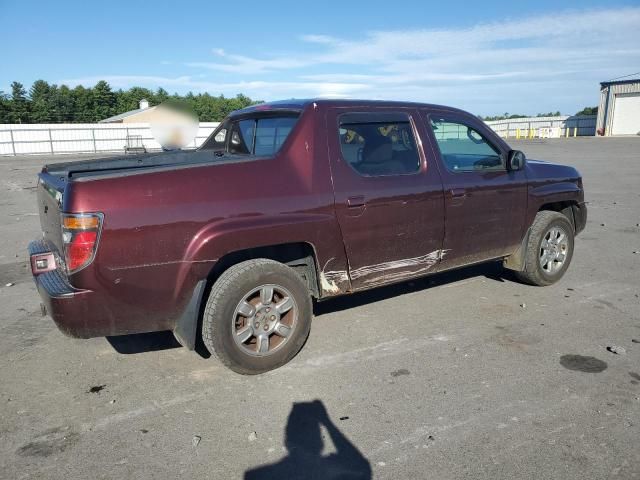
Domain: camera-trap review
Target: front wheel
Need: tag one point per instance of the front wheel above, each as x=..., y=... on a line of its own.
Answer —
x=257, y=317
x=549, y=249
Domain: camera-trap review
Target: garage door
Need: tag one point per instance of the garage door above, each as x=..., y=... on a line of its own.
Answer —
x=626, y=114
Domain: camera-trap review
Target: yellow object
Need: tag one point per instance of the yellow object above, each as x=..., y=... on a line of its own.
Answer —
x=80, y=223
x=518, y=133
x=566, y=132
x=575, y=132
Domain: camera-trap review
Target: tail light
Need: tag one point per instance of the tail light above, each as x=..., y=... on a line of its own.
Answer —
x=80, y=235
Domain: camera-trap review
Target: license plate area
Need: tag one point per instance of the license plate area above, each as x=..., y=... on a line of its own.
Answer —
x=42, y=262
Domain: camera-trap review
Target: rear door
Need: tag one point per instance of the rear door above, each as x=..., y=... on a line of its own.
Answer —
x=388, y=196
x=485, y=205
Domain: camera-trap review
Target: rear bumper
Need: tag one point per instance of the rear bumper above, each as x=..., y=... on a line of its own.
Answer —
x=100, y=312
x=69, y=308
x=580, y=216
x=72, y=310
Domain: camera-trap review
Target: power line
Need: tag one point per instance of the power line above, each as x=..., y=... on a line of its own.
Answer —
x=625, y=76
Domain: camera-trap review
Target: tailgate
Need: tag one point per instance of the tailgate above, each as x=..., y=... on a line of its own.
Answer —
x=50, y=193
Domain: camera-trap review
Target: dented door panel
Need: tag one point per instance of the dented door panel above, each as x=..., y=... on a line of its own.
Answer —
x=392, y=225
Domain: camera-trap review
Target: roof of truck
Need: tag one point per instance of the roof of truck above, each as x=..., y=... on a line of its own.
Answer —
x=301, y=103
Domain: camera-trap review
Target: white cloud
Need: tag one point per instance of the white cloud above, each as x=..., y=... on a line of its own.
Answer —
x=231, y=63
x=119, y=81
x=256, y=89
x=322, y=39
x=545, y=62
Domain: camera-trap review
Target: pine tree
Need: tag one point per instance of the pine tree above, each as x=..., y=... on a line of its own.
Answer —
x=83, y=105
x=19, y=107
x=4, y=108
x=40, y=102
x=104, y=101
x=160, y=96
x=62, y=104
x=57, y=104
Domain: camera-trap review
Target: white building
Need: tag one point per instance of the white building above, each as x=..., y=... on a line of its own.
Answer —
x=144, y=114
x=619, y=109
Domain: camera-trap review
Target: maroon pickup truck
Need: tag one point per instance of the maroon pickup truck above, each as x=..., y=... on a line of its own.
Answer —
x=284, y=203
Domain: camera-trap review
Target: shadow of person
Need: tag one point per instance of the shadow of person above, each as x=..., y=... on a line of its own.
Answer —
x=303, y=439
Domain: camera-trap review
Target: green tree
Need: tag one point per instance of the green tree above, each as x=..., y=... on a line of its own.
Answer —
x=160, y=96
x=4, y=107
x=104, y=101
x=588, y=111
x=39, y=95
x=19, y=112
x=82, y=104
x=505, y=116
x=53, y=103
x=62, y=104
x=130, y=100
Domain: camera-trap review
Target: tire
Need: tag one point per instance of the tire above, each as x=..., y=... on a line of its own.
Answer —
x=536, y=271
x=228, y=319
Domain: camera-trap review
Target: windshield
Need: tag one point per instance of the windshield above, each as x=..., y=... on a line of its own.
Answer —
x=260, y=135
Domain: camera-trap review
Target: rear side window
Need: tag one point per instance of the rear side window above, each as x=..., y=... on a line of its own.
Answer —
x=251, y=136
x=218, y=139
x=242, y=136
x=377, y=144
x=464, y=149
x=271, y=134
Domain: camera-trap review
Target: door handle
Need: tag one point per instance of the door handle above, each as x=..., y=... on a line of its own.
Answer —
x=458, y=192
x=355, y=201
x=458, y=196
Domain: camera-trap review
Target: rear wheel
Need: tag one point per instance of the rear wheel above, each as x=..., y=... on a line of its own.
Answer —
x=257, y=317
x=549, y=250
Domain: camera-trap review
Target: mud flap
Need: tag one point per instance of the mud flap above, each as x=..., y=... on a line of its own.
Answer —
x=515, y=261
x=187, y=325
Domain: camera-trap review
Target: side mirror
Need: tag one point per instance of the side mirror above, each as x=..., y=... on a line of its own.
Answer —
x=515, y=160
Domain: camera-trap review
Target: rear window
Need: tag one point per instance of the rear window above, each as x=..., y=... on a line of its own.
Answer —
x=376, y=144
x=251, y=136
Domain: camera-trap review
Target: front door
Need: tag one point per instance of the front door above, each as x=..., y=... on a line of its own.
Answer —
x=485, y=205
x=388, y=196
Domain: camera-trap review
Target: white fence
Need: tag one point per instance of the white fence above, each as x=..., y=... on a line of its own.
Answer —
x=23, y=139
x=563, y=126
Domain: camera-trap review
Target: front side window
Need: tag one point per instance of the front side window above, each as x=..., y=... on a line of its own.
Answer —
x=251, y=136
x=464, y=149
x=374, y=145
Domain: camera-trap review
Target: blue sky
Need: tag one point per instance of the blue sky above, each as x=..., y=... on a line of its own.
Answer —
x=487, y=57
